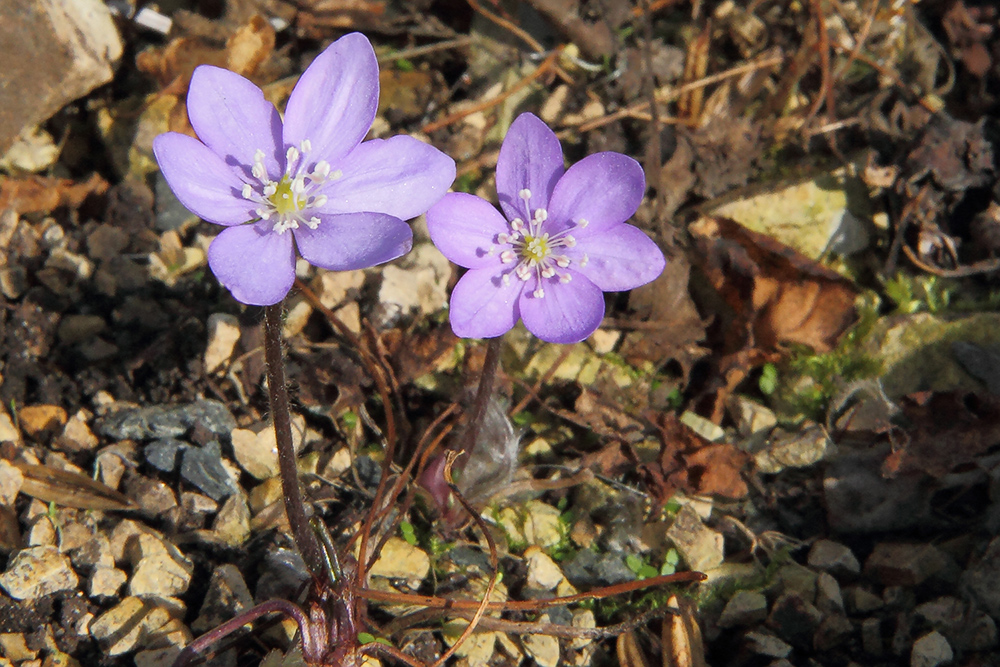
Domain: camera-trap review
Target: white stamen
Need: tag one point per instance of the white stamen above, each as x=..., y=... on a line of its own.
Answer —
x=507, y=256
x=313, y=222
x=264, y=214
x=337, y=174
x=548, y=272
x=541, y=215
x=503, y=238
x=257, y=170
x=562, y=261
x=298, y=185
x=522, y=271
x=321, y=170
x=306, y=145
x=247, y=191
x=492, y=251
x=584, y=260
x=582, y=223
x=270, y=189
x=319, y=201
x=539, y=293
x=569, y=241
x=517, y=224
x=565, y=278
x=291, y=155
x=524, y=194
x=506, y=279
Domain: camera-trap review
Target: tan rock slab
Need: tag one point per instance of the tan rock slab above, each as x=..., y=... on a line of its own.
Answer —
x=37, y=572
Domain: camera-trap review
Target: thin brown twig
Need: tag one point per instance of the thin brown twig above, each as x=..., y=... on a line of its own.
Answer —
x=542, y=68
x=674, y=93
x=984, y=266
x=425, y=50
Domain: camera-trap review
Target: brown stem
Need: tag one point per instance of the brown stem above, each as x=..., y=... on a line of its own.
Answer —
x=487, y=380
x=295, y=507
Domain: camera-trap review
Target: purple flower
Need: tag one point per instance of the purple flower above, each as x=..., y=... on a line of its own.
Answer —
x=564, y=240
x=343, y=201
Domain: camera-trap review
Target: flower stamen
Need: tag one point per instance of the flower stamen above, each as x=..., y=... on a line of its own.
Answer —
x=289, y=199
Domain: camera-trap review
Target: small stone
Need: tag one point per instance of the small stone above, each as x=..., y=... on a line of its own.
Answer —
x=36, y=572
x=59, y=49
x=13, y=281
x=154, y=497
x=232, y=523
x=42, y=533
x=699, y=546
x=202, y=467
x=227, y=596
x=860, y=601
x=106, y=242
x=903, y=564
x=543, y=648
x=754, y=422
x=257, y=452
x=11, y=480
x=871, y=636
x=78, y=328
x=95, y=552
x=586, y=569
x=744, y=608
x=401, y=560
x=223, y=334
x=161, y=657
x=105, y=582
x=834, y=558
x=76, y=435
x=931, y=650
x=535, y=523
x=337, y=287
x=297, y=313
x=828, y=596
x=793, y=449
x=124, y=626
x=603, y=341
x=132, y=423
x=418, y=284
x=767, y=645
x=794, y=620
x=13, y=647
x=164, y=454
x=160, y=568
x=832, y=632
x=543, y=573
x=41, y=421
x=8, y=432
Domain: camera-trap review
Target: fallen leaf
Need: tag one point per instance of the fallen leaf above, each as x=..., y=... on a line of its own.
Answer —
x=776, y=294
x=42, y=194
x=948, y=430
x=69, y=489
x=683, y=645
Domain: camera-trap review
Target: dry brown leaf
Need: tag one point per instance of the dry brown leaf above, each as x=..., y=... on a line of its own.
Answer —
x=69, y=489
x=948, y=430
x=683, y=645
x=323, y=18
x=629, y=652
x=42, y=194
x=776, y=294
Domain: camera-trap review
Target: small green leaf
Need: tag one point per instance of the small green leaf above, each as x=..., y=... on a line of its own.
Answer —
x=350, y=419
x=404, y=65
x=634, y=563
x=406, y=528
x=366, y=638
x=647, y=572
x=768, y=382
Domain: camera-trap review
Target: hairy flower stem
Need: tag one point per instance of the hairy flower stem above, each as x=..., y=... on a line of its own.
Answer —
x=487, y=380
x=305, y=538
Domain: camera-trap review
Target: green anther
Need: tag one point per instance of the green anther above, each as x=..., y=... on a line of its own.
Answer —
x=283, y=199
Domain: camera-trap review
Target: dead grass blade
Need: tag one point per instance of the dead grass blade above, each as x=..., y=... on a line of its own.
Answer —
x=70, y=489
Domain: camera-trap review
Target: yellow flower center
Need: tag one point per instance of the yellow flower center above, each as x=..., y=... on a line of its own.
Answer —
x=283, y=199
x=536, y=248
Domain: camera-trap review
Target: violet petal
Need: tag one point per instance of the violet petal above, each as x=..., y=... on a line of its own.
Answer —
x=604, y=188
x=483, y=306
x=620, y=259
x=354, y=240
x=530, y=158
x=334, y=102
x=257, y=266
x=201, y=180
x=568, y=313
x=231, y=116
x=401, y=176
x=464, y=227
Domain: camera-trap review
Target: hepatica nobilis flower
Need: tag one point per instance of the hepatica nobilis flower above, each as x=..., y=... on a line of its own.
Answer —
x=561, y=242
x=308, y=182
